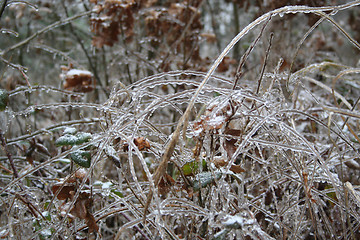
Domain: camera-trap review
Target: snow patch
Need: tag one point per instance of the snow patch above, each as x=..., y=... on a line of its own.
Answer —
x=77, y=72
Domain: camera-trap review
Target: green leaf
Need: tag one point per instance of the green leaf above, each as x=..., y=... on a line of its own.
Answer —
x=66, y=140
x=221, y=235
x=83, y=137
x=117, y=193
x=205, y=178
x=82, y=158
x=190, y=168
x=70, y=130
x=72, y=140
x=4, y=99
x=47, y=215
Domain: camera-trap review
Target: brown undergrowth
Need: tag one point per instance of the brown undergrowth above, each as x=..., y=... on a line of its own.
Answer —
x=157, y=128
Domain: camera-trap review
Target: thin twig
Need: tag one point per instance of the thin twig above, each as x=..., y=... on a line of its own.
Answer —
x=214, y=26
x=24, y=199
x=34, y=210
x=244, y=57
x=301, y=43
x=81, y=43
x=2, y=9
x=8, y=154
x=264, y=65
x=52, y=127
x=21, y=69
x=45, y=29
x=173, y=47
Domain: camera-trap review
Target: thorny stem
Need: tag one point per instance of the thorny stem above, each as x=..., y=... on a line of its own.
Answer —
x=8, y=154
x=136, y=227
x=30, y=206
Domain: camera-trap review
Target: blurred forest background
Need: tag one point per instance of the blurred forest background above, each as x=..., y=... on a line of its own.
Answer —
x=91, y=92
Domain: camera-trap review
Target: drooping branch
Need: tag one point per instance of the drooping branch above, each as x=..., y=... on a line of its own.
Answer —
x=45, y=29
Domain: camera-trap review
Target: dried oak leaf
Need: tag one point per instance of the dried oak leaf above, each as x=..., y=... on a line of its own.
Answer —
x=142, y=143
x=69, y=186
x=81, y=210
x=214, y=118
x=165, y=184
x=78, y=80
x=169, y=23
x=81, y=205
x=230, y=143
x=67, y=190
x=114, y=17
x=225, y=64
x=220, y=162
x=64, y=190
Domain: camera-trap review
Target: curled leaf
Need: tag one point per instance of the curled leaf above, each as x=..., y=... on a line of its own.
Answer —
x=66, y=140
x=70, y=130
x=83, y=137
x=72, y=140
x=81, y=210
x=142, y=143
x=82, y=158
x=64, y=192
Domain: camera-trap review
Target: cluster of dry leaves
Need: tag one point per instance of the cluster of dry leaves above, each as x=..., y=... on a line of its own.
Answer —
x=77, y=80
x=66, y=191
x=171, y=26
